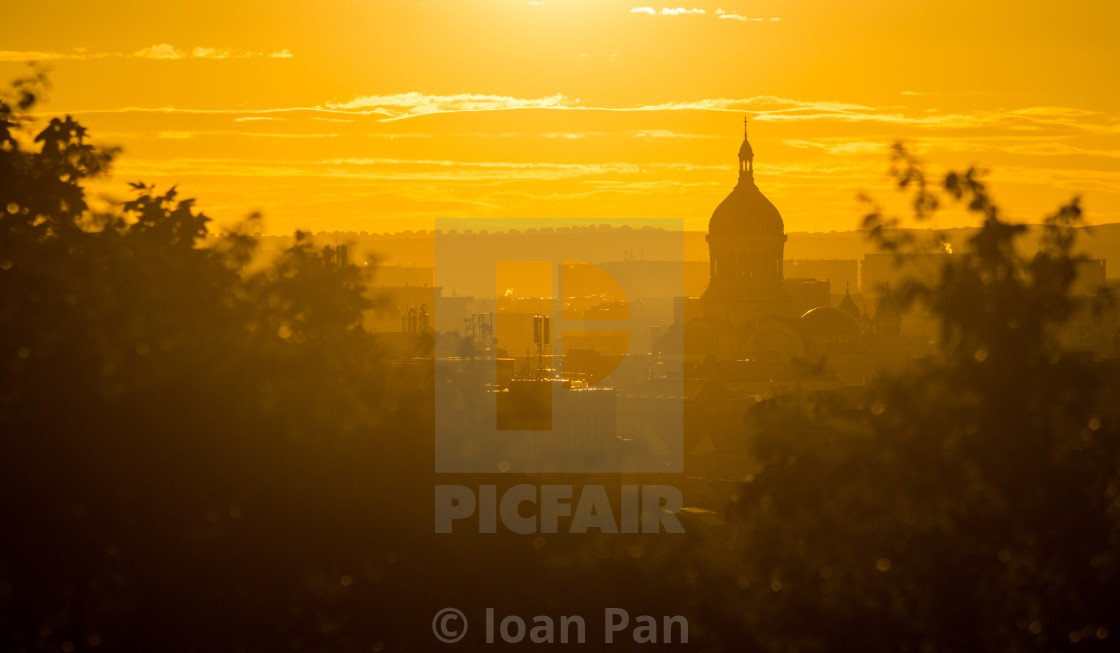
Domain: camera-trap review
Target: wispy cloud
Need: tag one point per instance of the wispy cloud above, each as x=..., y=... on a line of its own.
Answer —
x=168, y=51
x=667, y=11
x=839, y=146
x=410, y=105
x=1043, y=120
x=1035, y=145
x=389, y=169
x=405, y=105
x=47, y=55
x=1061, y=149
x=653, y=134
x=183, y=135
x=756, y=103
x=681, y=11
x=397, y=136
x=723, y=15
x=745, y=19
x=161, y=51
x=1055, y=112
x=567, y=136
x=763, y=107
x=164, y=51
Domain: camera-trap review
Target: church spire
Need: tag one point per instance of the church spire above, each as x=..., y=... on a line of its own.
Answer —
x=847, y=304
x=746, y=157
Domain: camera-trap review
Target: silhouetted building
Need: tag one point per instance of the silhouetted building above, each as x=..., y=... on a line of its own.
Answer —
x=806, y=294
x=338, y=255
x=838, y=272
x=746, y=239
x=746, y=312
x=415, y=320
x=883, y=272
x=392, y=305
x=848, y=305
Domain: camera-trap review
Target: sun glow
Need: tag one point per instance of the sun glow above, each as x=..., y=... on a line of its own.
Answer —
x=383, y=116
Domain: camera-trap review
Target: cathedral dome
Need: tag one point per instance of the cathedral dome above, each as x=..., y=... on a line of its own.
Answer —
x=829, y=321
x=746, y=213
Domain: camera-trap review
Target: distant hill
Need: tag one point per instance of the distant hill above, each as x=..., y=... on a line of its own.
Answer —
x=603, y=243
x=1102, y=241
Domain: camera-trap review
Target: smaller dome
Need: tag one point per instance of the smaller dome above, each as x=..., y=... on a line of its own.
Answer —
x=745, y=150
x=829, y=321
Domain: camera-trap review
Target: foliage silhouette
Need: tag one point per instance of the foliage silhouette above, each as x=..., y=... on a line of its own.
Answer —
x=171, y=423
x=971, y=503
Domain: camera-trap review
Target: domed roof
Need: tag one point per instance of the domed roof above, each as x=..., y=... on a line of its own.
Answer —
x=745, y=150
x=746, y=212
x=829, y=321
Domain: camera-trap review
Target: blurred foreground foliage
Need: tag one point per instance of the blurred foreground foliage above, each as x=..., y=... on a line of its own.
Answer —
x=172, y=426
x=970, y=503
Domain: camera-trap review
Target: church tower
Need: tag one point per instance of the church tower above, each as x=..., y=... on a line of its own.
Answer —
x=746, y=242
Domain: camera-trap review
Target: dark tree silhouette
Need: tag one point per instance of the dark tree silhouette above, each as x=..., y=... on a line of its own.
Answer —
x=971, y=504
x=173, y=422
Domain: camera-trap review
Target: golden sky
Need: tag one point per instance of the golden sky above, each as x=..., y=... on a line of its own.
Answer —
x=380, y=116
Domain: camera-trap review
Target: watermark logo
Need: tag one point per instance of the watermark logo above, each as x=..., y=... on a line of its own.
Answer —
x=554, y=365
x=615, y=625
x=529, y=509
x=449, y=625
